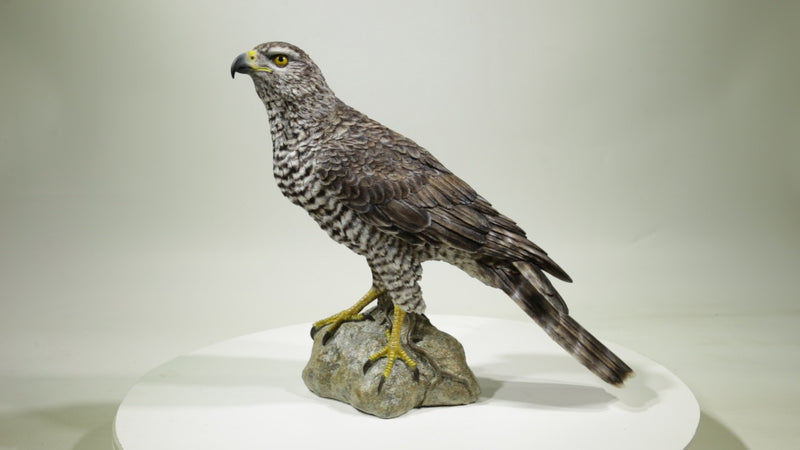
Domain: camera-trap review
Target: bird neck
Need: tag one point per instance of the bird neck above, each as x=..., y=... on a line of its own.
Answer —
x=296, y=129
x=292, y=120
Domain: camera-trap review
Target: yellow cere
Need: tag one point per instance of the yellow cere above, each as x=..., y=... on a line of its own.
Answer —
x=252, y=56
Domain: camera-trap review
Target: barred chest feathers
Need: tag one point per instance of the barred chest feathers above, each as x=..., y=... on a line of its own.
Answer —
x=293, y=172
x=293, y=168
x=292, y=163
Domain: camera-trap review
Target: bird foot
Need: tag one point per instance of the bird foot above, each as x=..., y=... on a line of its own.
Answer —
x=393, y=351
x=348, y=315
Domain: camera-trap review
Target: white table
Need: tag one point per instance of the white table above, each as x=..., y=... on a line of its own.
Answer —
x=246, y=393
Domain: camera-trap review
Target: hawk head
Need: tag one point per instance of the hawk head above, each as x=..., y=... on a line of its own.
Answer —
x=281, y=70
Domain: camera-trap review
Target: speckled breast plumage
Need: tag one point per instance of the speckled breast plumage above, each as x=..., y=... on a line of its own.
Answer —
x=294, y=141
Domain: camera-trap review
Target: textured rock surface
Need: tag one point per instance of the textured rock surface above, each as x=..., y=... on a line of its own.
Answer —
x=335, y=370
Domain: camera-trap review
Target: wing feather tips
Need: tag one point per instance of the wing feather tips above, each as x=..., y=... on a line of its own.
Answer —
x=539, y=281
x=515, y=248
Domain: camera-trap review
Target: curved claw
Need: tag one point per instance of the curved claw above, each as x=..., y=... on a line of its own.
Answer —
x=327, y=336
x=368, y=365
x=328, y=333
x=380, y=383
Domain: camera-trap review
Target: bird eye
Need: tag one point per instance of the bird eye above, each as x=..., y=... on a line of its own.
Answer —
x=280, y=60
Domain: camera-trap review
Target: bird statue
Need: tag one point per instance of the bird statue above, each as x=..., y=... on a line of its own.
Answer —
x=390, y=201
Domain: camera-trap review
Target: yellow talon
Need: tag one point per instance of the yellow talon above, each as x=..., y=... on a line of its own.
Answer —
x=393, y=350
x=349, y=314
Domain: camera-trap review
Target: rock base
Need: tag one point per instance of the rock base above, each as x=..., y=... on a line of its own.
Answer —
x=336, y=369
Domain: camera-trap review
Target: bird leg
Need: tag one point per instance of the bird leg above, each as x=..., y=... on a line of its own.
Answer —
x=350, y=314
x=393, y=350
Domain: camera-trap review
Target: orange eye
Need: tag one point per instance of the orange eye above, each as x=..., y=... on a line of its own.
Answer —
x=280, y=60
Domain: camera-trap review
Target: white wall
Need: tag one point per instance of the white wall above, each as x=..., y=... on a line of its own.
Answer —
x=650, y=147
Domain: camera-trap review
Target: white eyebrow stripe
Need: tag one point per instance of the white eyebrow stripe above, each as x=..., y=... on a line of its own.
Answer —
x=280, y=49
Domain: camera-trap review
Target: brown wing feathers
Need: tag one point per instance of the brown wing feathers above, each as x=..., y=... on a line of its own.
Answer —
x=407, y=192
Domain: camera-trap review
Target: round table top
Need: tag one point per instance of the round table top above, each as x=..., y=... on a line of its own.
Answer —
x=247, y=393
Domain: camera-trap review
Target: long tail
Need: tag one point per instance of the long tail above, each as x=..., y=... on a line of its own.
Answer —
x=531, y=290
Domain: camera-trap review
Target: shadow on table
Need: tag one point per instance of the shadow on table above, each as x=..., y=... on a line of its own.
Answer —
x=546, y=395
x=48, y=428
x=502, y=379
x=712, y=435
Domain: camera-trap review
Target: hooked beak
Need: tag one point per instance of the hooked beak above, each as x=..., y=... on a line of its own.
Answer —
x=246, y=64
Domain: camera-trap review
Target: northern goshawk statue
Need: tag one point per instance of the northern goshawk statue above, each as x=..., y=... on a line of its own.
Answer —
x=389, y=200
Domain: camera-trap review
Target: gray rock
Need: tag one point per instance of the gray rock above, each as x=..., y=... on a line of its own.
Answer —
x=336, y=369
